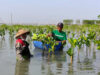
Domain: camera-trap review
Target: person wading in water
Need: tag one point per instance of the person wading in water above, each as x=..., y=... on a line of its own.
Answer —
x=59, y=35
x=21, y=45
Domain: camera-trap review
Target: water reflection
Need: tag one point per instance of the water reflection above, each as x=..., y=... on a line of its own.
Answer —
x=49, y=70
x=87, y=64
x=11, y=41
x=2, y=42
x=53, y=63
x=59, y=66
x=22, y=68
x=94, y=53
x=98, y=73
x=46, y=68
x=70, y=70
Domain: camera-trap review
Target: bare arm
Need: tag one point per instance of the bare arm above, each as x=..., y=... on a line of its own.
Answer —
x=49, y=35
x=63, y=42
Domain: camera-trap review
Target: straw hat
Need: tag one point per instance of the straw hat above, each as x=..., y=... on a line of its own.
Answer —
x=21, y=32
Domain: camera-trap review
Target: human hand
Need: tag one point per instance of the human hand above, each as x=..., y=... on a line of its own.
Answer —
x=49, y=35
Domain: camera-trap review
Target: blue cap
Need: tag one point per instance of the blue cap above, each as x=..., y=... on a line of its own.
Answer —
x=60, y=24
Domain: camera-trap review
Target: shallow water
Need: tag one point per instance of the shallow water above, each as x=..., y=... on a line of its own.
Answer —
x=86, y=63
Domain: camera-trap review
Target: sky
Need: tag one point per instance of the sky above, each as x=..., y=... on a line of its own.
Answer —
x=47, y=11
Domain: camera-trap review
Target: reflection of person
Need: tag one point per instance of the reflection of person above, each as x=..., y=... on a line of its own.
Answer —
x=57, y=60
x=46, y=69
x=59, y=67
x=22, y=50
x=22, y=68
x=59, y=35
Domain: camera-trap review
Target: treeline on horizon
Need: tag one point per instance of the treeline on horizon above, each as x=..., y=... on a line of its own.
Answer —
x=65, y=22
x=79, y=22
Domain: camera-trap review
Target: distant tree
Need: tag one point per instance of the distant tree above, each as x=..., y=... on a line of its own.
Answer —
x=68, y=22
x=78, y=22
x=98, y=22
x=98, y=16
x=89, y=22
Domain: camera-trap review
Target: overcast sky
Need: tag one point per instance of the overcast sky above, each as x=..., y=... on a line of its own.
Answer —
x=47, y=11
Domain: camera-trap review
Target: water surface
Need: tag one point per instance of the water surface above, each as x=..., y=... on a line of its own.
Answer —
x=86, y=63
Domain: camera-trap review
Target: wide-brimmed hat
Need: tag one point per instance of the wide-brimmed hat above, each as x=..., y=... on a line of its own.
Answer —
x=21, y=32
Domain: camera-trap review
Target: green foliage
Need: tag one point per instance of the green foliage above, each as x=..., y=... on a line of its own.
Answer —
x=98, y=44
x=87, y=42
x=85, y=34
x=2, y=32
x=80, y=41
x=73, y=42
x=91, y=34
x=45, y=40
x=70, y=52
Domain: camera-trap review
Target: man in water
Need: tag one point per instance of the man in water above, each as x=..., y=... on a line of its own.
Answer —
x=59, y=35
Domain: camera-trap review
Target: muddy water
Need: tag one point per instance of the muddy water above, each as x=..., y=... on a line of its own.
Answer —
x=86, y=63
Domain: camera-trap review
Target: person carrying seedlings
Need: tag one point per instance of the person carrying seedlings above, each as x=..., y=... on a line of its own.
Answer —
x=22, y=49
x=59, y=35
